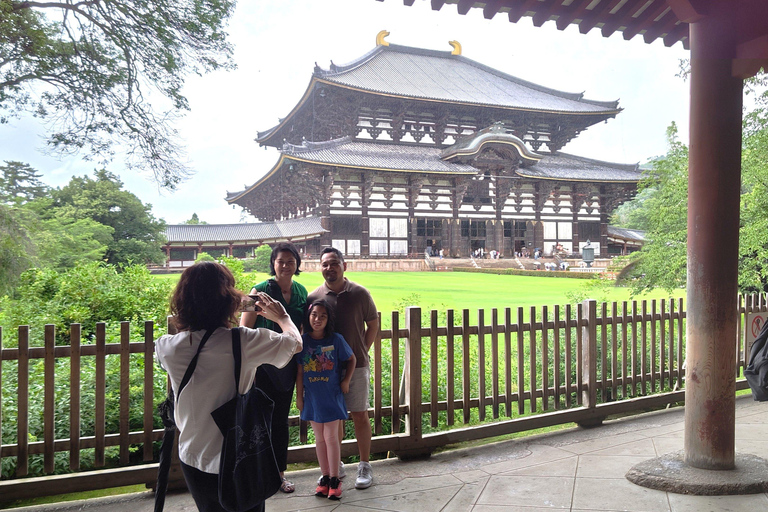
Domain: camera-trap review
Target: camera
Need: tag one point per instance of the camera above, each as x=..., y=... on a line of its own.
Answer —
x=248, y=303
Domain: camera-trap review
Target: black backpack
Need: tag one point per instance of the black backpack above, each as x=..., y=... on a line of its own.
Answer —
x=756, y=371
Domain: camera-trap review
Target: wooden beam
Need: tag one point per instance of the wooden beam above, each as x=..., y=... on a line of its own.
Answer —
x=491, y=8
x=519, y=8
x=621, y=17
x=689, y=11
x=437, y=4
x=567, y=15
x=676, y=34
x=645, y=19
x=589, y=21
x=750, y=57
x=464, y=6
x=661, y=27
x=545, y=10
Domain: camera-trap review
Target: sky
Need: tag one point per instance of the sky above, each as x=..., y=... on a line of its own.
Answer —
x=278, y=43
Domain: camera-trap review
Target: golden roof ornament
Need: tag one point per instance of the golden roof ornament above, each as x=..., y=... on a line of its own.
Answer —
x=456, y=47
x=380, y=38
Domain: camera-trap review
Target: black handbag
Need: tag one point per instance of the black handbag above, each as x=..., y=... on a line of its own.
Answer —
x=166, y=410
x=756, y=371
x=248, y=472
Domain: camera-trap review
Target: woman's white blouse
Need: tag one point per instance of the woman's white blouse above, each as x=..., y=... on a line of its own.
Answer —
x=213, y=382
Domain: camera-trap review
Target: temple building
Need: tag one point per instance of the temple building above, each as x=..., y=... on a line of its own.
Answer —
x=406, y=151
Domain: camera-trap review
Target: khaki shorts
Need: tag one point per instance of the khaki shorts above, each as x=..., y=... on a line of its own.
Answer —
x=357, y=398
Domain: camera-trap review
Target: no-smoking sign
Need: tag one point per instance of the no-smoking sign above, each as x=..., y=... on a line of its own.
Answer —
x=755, y=322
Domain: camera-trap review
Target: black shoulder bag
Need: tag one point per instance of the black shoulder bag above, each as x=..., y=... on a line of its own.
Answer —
x=166, y=411
x=248, y=472
x=756, y=371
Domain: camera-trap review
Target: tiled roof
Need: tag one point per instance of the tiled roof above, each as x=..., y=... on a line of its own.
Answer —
x=562, y=166
x=626, y=234
x=258, y=231
x=371, y=155
x=436, y=75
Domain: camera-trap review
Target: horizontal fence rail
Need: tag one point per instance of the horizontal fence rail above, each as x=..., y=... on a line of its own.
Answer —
x=437, y=377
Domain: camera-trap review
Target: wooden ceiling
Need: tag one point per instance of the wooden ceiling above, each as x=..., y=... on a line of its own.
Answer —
x=665, y=20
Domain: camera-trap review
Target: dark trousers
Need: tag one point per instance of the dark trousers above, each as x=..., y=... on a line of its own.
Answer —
x=204, y=488
x=275, y=388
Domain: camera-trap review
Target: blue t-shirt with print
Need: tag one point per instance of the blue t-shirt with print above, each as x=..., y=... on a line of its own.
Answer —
x=323, y=399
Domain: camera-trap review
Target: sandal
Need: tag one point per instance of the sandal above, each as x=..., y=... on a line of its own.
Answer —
x=287, y=486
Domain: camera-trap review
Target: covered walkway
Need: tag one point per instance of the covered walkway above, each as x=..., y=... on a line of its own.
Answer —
x=573, y=469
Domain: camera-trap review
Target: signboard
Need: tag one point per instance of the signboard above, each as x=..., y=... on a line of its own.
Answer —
x=755, y=323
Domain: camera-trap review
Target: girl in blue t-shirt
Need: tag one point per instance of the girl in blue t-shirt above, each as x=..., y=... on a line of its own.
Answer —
x=320, y=390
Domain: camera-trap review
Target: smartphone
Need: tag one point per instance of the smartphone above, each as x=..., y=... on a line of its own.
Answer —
x=248, y=303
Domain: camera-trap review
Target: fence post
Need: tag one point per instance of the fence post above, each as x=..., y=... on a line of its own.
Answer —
x=411, y=445
x=589, y=360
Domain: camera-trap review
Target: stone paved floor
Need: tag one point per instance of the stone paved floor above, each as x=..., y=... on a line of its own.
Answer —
x=572, y=470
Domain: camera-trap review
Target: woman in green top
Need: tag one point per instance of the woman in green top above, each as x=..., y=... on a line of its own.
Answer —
x=278, y=384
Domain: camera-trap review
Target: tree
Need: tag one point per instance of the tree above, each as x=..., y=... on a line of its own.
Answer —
x=137, y=236
x=262, y=256
x=15, y=249
x=195, y=220
x=661, y=208
x=20, y=183
x=753, y=233
x=83, y=67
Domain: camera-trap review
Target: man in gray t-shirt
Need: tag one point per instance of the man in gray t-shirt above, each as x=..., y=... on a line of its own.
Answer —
x=358, y=321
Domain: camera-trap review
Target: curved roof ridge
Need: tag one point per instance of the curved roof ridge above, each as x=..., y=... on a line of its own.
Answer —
x=307, y=145
x=575, y=96
x=629, y=167
x=336, y=70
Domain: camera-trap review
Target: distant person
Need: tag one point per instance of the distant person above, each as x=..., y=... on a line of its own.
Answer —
x=441, y=252
x=278, y=383
x=204, y=305
x=320, y=390
x=358, y=322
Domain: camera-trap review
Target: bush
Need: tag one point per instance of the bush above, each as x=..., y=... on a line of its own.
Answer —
x=204, y=256
x=86, y=294
x=263, y=255
x=250, y=265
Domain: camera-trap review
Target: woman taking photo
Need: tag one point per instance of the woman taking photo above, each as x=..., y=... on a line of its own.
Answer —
x=278, y=383
x=204, y=306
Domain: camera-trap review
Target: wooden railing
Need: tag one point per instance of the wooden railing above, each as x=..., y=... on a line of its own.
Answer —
x=437, y=378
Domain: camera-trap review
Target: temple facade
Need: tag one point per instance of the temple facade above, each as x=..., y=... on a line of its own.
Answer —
x=406, y=151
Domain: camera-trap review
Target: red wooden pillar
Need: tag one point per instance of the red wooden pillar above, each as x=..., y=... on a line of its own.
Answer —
x=713, y=241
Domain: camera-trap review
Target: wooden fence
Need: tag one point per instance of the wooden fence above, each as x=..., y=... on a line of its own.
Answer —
x=437, y=378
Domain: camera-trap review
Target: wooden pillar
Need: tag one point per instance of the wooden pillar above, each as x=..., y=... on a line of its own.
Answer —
x=604, y=213
x=713, y=241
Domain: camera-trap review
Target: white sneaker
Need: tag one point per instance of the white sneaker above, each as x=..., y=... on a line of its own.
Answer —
x=342, y=473
x=364, y=475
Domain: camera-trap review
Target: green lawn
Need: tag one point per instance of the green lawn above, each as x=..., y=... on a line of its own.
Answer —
x=459, y=290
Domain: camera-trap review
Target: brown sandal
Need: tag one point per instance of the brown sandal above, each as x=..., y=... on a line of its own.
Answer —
x=287, y=486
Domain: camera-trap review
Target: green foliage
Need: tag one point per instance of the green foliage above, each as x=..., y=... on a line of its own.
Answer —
x=242, y=282
x=753, y=239
x=262, y=256
x=204, y=256
x=15, y=249
x=137, y=236
x=250, y=265
x=195, y=220
x=94, y=61
x=86, y=294
x=20, y=183
x=661, y=209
